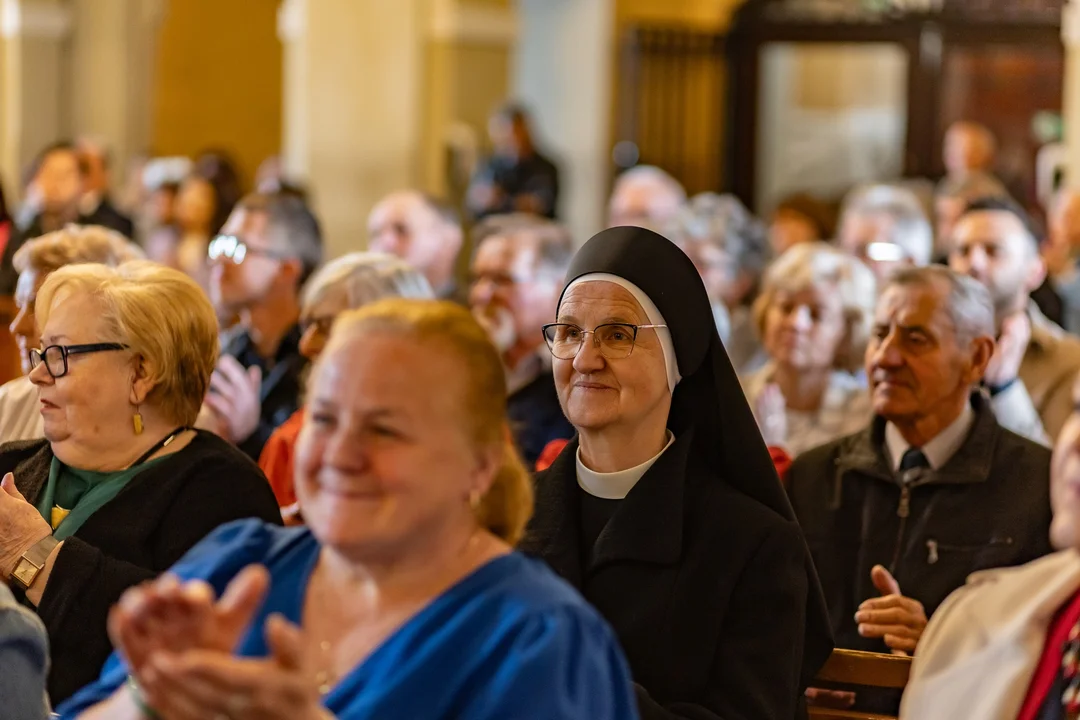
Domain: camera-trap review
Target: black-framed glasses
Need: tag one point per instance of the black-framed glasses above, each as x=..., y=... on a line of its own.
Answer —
x=233, y=247
x=55, y=357
x=615, y=340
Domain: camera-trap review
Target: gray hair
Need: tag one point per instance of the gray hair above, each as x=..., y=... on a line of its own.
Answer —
x=653, y=174
x=968, y=301
x=365, y=277
x=551, y=240
x=291, y=227
x=724, y=221
x=75, y=244
x=910, y=228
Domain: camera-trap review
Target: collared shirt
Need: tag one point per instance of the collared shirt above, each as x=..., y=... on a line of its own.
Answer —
x=940, y=449
x=615, y=485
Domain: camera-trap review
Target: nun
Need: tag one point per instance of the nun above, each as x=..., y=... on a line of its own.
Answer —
x=665, y=511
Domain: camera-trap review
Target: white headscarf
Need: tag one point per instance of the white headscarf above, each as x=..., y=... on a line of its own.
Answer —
x=652, y=313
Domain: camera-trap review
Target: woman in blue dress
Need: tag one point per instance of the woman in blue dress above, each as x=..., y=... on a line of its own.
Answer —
x=403, y=598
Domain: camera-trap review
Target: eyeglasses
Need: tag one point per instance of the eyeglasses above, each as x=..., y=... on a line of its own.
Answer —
x=322, y=325
x=55, y=357
x=615, y=340
x=235, y=249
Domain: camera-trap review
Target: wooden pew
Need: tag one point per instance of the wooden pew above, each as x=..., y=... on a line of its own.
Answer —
x=853, y=667
x=10, y=363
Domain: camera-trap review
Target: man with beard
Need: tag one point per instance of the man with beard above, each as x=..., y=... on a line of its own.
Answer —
x=267, y=249
x=898, y=515
x=993, y=243
x=517, y=276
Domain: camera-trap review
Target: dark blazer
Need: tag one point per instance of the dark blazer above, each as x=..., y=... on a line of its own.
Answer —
x=536, y=418
x=705, y=587
x=282, y=379
x=134, y=537
x=106, y=215
x=987, y=507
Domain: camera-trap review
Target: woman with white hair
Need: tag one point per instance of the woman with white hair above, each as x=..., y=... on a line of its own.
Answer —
x=814, y=317
x=347, y=283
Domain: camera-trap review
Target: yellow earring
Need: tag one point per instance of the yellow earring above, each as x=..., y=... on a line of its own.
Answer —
x=474, y=499
x=137, y=421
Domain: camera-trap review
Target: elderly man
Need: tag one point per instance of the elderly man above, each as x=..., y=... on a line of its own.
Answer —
x=898, y=515
x=999, y=648
x=646, y=196
x=517, y=279
x=993, y=243
x=885, y=227
x=424, y=233
x=268, y=248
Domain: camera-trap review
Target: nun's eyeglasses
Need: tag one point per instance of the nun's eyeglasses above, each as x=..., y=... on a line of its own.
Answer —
x=615, y=340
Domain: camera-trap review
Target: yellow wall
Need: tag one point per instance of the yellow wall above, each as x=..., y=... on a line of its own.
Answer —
x=218, y=82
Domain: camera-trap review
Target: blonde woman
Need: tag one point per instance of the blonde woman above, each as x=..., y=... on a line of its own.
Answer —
x=813, y=316
x=344, y=284
x=403, y=597
x=120, y=488
x=34, y=261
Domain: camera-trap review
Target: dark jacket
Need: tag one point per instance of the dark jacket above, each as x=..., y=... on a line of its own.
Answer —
x=536, y=418
x=138, y=534
x=705, y=587
x=282, y=381
x=106, y=215
x=533, y=175
x=988, y=506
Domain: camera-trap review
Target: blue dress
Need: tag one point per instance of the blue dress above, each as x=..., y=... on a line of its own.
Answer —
x=509, y=641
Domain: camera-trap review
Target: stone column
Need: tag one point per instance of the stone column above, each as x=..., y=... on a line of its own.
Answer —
x=563, y=73
x=34, y=82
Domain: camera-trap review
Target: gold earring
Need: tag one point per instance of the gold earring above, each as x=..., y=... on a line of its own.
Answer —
x=474, y=499
x=137, y=421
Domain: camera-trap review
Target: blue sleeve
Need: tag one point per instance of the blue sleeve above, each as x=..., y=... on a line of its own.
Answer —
x=23, y=657
x=564, y=665
x=216, y=559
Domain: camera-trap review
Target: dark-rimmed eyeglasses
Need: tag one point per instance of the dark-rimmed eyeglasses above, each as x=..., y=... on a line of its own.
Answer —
x=615, y=340
x=234, y=248
x=55, y=357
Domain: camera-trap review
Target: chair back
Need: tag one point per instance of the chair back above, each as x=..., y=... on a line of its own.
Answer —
x=862, y=669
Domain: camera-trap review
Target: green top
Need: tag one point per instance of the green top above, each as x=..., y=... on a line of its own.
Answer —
x=80, y=493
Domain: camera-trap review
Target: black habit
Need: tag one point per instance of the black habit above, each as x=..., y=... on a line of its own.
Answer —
x=701, y=569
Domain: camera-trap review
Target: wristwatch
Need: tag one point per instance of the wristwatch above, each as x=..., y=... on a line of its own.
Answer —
x=32, y=563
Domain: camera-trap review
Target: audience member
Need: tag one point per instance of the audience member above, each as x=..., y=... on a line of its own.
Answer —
x=1004, y=646
x=898, y=515
x=20, y=410
x=969, y=149
x=799, y=218
x=730, y=250
x=950, y=200
x=95, y=206
x=267, y=250
x=993, y=243
x=24, y=655
x=517, y=178
x=404, y=597
x=346, y=283
x=517, y=277
x=120, y=487
x=1061, y=254
x=668, y=474
x=886, y=227
x=424, y=233
x=814, y=317
x=645, y=196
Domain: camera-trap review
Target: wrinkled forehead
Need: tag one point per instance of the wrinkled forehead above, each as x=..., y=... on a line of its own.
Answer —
x=915, y=304
x=598, y=301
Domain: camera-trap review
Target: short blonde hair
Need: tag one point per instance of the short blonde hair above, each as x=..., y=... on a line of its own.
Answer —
x=161, y=314
x=75, y=244
x=507, y=506
x=365, y=277
x=816, y=264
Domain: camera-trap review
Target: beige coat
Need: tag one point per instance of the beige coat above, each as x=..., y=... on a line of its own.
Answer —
x=1049, y=369
x=979, y=652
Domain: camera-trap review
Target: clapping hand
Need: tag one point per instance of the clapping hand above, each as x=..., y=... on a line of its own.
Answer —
x=200, y=684
x=234, y=400
x=771, y=412
x=898, y=620
x=21, y=526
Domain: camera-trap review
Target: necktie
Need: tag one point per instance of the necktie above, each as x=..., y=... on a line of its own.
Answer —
x=1070, y=698
x=913, y=458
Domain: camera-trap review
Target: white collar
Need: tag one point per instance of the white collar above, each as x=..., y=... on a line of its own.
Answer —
x=615, y=485
x=940, y=449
